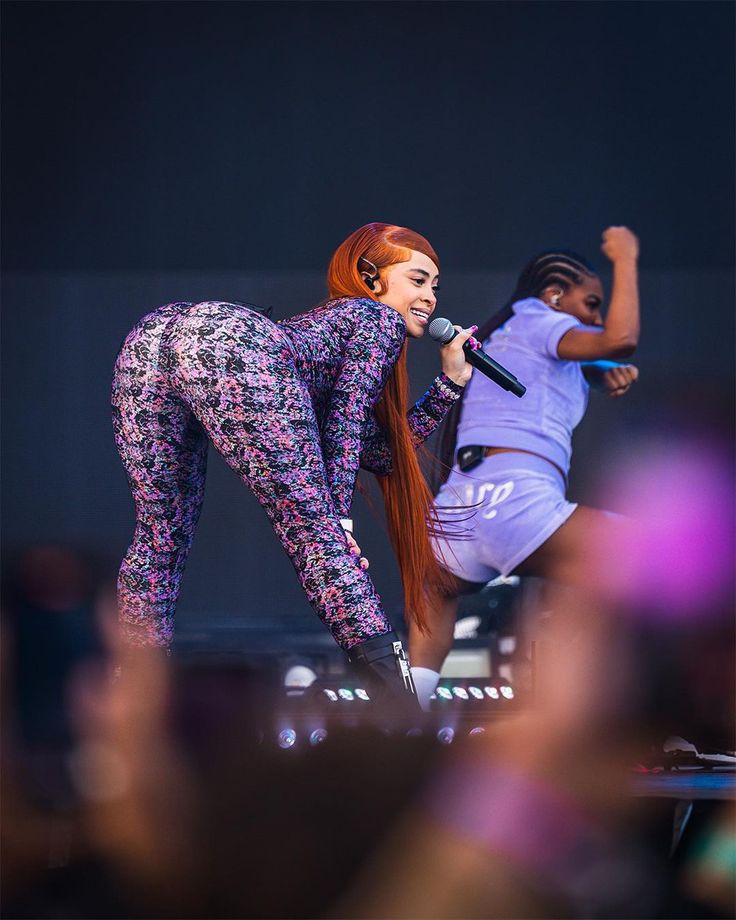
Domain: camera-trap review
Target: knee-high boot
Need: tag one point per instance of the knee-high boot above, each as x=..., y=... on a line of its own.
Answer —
x=383, y=664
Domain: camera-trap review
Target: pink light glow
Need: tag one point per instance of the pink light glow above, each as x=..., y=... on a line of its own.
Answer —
x=677, y=555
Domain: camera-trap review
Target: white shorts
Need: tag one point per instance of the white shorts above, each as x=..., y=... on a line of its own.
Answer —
x=496, y=515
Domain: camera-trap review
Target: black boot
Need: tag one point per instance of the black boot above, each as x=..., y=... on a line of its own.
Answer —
x=382, y=663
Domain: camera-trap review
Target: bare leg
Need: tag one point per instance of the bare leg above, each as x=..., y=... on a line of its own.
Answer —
x=427, y=652
x=565, y=556
x=430, y=650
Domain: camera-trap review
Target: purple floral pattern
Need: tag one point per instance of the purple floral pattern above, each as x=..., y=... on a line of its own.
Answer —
x=288, y=405
x=424, y=417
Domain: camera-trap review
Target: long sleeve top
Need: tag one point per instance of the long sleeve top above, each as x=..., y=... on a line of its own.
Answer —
x=344, y=351
x=423, y=418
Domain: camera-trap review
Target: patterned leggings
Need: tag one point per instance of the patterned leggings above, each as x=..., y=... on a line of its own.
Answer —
x=224, y=373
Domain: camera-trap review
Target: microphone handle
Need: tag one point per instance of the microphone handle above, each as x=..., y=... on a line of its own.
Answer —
x=486, y=365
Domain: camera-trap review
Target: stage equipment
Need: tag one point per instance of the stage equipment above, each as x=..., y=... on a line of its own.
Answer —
x=287, y=738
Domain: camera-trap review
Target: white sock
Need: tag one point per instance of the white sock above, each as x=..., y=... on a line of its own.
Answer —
x=425, y=680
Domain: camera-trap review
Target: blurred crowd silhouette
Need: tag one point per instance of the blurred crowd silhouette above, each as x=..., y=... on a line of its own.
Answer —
x=138, y=785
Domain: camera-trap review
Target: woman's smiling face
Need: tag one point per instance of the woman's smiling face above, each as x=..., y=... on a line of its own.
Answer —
x=411, y=289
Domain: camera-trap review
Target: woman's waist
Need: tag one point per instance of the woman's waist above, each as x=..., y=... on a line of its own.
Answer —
x=555, y=449
x=469, y=455
x=234, y=322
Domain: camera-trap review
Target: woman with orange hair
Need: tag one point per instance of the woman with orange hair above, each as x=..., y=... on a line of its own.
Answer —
x=295, y=408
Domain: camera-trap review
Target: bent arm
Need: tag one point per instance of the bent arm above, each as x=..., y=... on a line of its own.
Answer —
x=620, y=334
x=423, y=418
x=610, y=377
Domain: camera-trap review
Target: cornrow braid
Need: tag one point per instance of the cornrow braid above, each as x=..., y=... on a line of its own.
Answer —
x=551, y=267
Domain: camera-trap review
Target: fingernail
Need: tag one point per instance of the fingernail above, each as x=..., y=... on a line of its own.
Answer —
x=364, y=564
x=354, y=551
x=474, y=327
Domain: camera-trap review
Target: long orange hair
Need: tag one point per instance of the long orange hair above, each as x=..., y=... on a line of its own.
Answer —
x=410, y=513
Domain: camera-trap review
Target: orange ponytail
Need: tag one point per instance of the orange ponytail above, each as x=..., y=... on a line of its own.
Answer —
x=410, y=514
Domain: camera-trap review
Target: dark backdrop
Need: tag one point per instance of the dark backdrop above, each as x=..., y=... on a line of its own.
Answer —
x=160, y=151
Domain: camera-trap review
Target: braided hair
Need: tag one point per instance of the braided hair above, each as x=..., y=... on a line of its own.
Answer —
x=553, y=267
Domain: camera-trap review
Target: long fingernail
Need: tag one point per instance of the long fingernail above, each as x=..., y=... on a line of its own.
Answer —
x=473, y=327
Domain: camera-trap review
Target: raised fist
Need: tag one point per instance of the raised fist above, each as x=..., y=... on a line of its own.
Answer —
x=620, y=243
x=618, y=380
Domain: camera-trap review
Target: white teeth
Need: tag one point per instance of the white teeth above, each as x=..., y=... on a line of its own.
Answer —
x=419, y=313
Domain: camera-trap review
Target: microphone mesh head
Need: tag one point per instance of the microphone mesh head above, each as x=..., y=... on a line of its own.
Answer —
x=441, y=330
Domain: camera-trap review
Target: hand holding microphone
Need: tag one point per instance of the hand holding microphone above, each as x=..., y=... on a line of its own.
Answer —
x=454, y=364
x=442, y=331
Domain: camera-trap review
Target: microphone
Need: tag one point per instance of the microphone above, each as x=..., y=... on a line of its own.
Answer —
x=442, y=331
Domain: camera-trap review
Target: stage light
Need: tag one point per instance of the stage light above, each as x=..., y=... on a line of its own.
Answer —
x=361, y=694
x=478, y=730
x=461, y=695
x=414, y=733
x=287, y=738
x=318, y=736
x=345, y=694
x=330, y=694
x=299, y=677
x=445, y=735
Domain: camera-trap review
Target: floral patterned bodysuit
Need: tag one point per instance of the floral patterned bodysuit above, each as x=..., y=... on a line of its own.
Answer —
x=289, y=407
